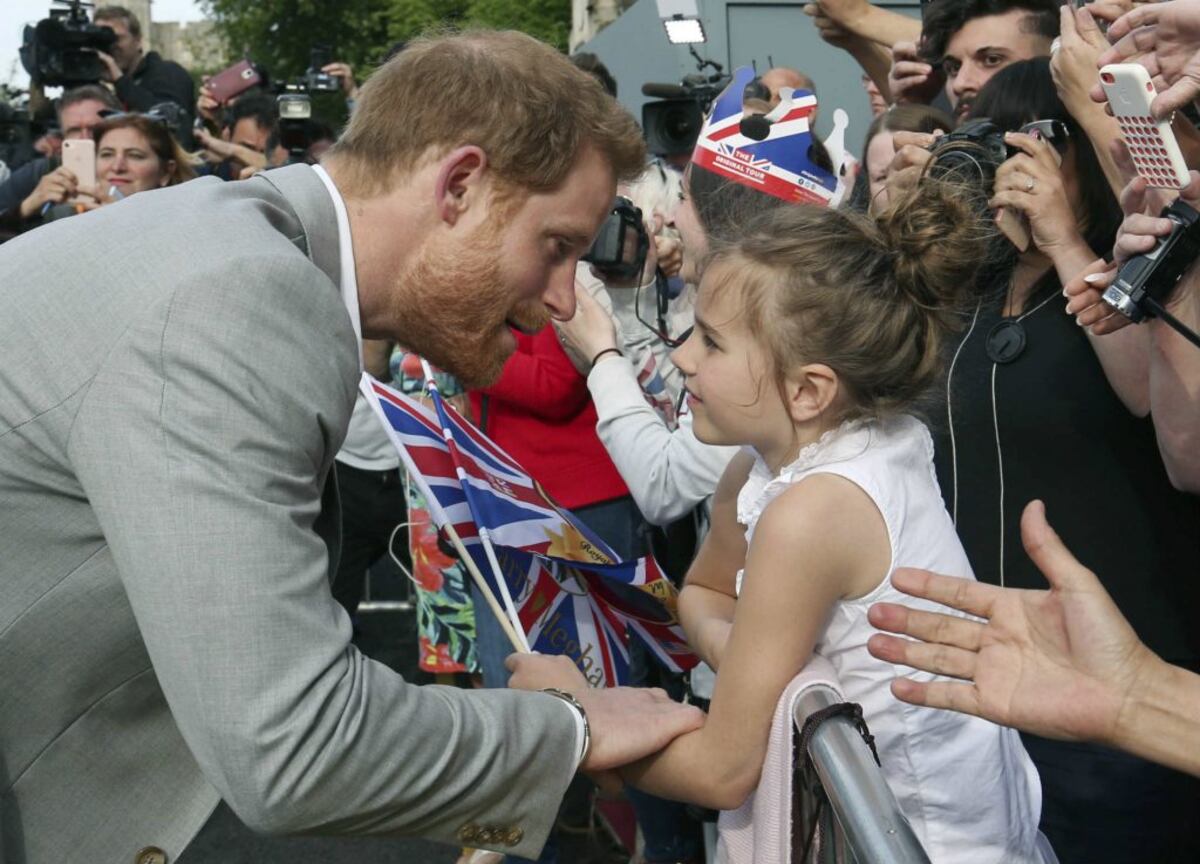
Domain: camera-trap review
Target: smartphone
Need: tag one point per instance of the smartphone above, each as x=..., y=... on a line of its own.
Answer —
x=1150, y=142
x=79, y=157
x=231, y=82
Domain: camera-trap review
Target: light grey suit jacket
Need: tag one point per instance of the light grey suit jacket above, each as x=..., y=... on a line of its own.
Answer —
x=176, y=374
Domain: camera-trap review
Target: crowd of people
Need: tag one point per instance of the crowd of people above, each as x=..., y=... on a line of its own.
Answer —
x=843, y=426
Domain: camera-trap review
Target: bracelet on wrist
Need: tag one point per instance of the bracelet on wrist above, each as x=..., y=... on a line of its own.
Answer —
x=600, y=354
x=574, y=703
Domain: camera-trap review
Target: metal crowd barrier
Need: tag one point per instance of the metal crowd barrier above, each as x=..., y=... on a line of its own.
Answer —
x=869, y=829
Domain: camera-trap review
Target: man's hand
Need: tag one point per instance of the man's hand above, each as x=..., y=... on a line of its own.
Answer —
x=830, y=31
x=54, y=188
x=911, y=79
x=1164, y=38
x=588, y=332
x=1062, y=663
x=344, y=73
x=627, y=723
x=845, y=13
x=112, y=72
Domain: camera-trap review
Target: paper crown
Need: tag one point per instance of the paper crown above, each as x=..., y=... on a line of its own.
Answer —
x=778, y=165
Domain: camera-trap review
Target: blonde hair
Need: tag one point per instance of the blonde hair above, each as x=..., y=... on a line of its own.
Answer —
x=526, y=105
x=872, y=298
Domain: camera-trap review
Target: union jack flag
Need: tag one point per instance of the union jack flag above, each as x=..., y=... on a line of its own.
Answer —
x=572, y=594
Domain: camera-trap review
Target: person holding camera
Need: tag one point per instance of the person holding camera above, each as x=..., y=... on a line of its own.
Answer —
x=963, y=44
x=244, y=137
x=41, y=183
x=143, y=79
x=1036, y=407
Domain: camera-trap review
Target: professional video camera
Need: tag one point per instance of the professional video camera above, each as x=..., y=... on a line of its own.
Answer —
x=60, y=50
x=673, y=124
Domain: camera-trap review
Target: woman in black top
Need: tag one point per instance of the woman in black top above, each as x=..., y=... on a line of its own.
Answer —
x=1035, y=407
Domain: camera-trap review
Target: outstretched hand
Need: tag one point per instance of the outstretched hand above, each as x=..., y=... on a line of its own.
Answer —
x=627, y=723
x=1060, y=663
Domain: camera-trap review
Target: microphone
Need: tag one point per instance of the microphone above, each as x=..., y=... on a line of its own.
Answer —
x=665, y=91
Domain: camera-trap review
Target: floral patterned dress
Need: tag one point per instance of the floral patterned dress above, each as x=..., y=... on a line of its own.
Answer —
x=445, y=618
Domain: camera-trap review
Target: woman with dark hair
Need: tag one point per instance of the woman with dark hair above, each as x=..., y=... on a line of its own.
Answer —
x=1036, y=407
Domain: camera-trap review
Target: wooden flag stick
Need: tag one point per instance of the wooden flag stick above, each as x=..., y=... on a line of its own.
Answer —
x=497, y=610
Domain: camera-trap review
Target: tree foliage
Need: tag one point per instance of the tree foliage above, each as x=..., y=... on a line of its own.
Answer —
x=280, y=33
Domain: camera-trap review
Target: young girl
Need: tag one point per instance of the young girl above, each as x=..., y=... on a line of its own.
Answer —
x=816, y=335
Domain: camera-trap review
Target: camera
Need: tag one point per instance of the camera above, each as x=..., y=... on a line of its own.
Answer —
x=316, y=81
x=1145, y=281
x=619, y=250
x=977, y=147
x=60, y=50
x=672, y=124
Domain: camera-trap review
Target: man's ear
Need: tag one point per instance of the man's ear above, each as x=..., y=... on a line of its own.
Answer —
x=461, y=179
x=811, y=389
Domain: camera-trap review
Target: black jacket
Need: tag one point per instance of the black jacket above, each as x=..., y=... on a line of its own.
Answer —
x=157, y=80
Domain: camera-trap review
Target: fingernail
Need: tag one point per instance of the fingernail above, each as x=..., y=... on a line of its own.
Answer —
x=1093, y=278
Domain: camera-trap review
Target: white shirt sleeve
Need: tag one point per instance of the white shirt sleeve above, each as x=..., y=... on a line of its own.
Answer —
x=667, y=472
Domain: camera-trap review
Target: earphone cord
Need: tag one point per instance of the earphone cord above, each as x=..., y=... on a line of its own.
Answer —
x=950, y=415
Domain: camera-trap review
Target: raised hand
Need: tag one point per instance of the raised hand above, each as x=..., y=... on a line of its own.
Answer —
x=911, y=79
x=1073, y=65
x=1031, y=181
x=588, y=332
x=1062, y=663
x=1164, y=38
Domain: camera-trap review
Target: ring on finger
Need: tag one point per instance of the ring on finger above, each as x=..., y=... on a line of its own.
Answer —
x=1029, y=184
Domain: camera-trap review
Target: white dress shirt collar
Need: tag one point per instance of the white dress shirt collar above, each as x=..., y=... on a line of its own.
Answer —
x=349, y=282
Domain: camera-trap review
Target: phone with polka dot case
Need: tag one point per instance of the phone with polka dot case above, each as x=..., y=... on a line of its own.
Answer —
x=1150, y=142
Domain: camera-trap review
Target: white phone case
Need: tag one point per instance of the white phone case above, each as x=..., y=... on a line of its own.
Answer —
x=79, y=155
x=1151, y=142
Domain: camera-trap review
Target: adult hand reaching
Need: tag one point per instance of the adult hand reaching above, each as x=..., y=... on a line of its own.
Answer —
x=1062, y=663
x=1164, y=38
x=627, y=723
